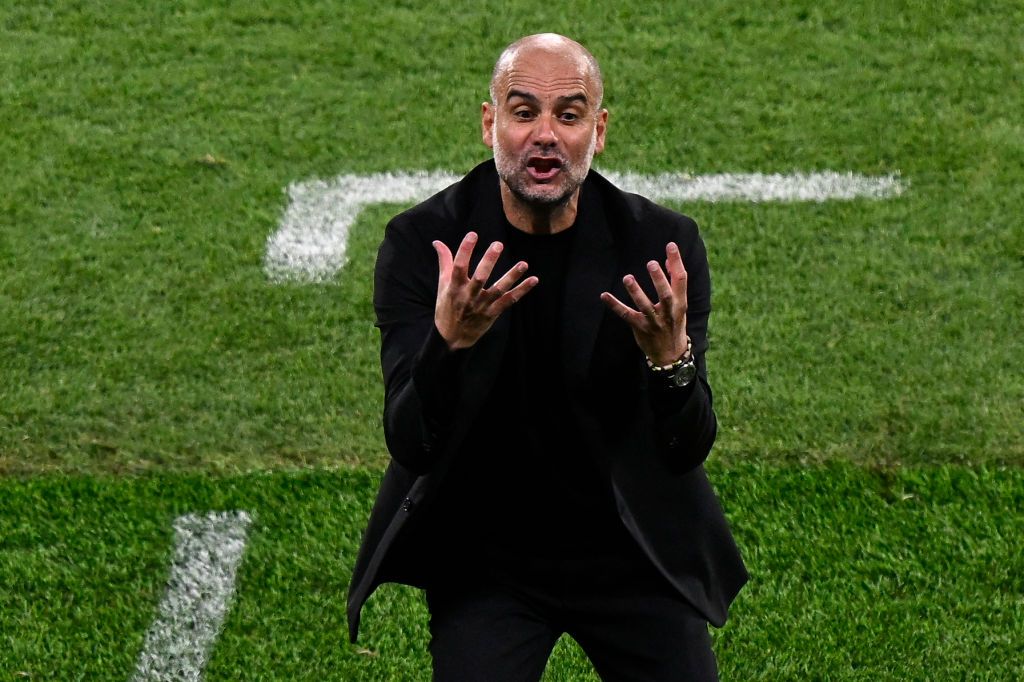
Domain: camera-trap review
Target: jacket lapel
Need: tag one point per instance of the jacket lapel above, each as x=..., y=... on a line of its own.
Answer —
x=592, y=269
x=487, y=219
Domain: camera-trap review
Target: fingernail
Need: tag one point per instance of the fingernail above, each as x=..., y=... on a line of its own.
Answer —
x=652, y=266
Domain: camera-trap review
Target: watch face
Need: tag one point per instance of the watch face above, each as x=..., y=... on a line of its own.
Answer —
x=685, y=374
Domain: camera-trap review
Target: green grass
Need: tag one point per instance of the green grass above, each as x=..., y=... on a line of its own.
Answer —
x=139, y=332
x=895, y=574
x=864, y=354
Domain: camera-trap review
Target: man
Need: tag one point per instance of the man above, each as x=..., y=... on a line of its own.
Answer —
x=547, y=408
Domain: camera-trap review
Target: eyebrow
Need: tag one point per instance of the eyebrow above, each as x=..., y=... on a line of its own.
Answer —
x=530, y=97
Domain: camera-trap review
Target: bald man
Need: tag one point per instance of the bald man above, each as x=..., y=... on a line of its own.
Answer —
x=547, y=408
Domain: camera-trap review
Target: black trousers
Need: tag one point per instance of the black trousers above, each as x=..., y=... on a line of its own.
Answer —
x=501, y=623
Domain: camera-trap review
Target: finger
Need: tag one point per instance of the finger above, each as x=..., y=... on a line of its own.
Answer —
x=661, y=284
x=510, y=298
x=460, y=265
x=643, y=303
x=676, y=270
x=632, y=317
x=484, y=267
x=507, y=280
x=444, y=261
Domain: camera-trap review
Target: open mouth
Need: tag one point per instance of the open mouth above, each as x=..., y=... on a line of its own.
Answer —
x=543, y=167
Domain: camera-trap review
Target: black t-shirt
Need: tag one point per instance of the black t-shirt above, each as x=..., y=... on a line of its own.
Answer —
x=524, y=484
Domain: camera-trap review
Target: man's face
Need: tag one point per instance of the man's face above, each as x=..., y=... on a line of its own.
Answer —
x=545, y=127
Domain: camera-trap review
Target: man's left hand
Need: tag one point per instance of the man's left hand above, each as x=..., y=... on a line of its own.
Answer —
x=659, y=328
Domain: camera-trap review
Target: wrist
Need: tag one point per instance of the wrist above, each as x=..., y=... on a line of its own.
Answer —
x=677, y=374
x=656, y=365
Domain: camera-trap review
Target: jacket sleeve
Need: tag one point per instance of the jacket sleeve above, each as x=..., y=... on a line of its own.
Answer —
x=684, y=419
x=420, y=373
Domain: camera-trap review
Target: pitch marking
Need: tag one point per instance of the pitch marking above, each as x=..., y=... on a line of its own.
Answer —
x=207, y=552
x=310, y=243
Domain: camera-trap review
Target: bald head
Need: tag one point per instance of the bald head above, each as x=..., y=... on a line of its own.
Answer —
x=552, y=44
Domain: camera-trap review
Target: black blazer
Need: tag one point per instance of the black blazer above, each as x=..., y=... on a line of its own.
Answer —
x=648, y=441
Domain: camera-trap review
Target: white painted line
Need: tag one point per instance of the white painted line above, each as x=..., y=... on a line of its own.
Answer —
x=309, y=245
x=207, y=552
x=758, y=187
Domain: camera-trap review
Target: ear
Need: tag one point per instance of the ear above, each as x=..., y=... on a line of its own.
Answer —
x=487, y=123
x=602, y=127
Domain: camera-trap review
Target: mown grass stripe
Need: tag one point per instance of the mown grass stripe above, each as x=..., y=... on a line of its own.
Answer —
x=208, y=550
x=310, y=243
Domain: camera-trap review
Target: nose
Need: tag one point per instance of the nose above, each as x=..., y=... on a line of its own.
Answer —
x=544, y=134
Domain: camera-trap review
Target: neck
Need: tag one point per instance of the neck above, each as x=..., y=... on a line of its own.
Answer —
x=538, y=219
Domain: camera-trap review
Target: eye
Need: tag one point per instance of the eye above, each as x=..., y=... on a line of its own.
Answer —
x=569, y=117
x=522, y=114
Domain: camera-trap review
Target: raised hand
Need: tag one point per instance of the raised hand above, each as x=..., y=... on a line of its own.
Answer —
x=659, y=328
x=465, y=307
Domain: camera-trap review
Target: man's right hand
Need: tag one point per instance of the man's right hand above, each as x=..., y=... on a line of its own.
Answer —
x=465, y=308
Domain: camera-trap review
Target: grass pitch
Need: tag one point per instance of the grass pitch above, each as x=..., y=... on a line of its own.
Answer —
x=146, y=150
x=902, y=574
x=864, y=354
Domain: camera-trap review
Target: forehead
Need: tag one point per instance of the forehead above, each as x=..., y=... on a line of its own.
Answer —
x=547, y=73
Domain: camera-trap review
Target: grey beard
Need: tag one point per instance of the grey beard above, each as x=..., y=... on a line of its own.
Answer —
x=508, y=168
x=538, y=199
